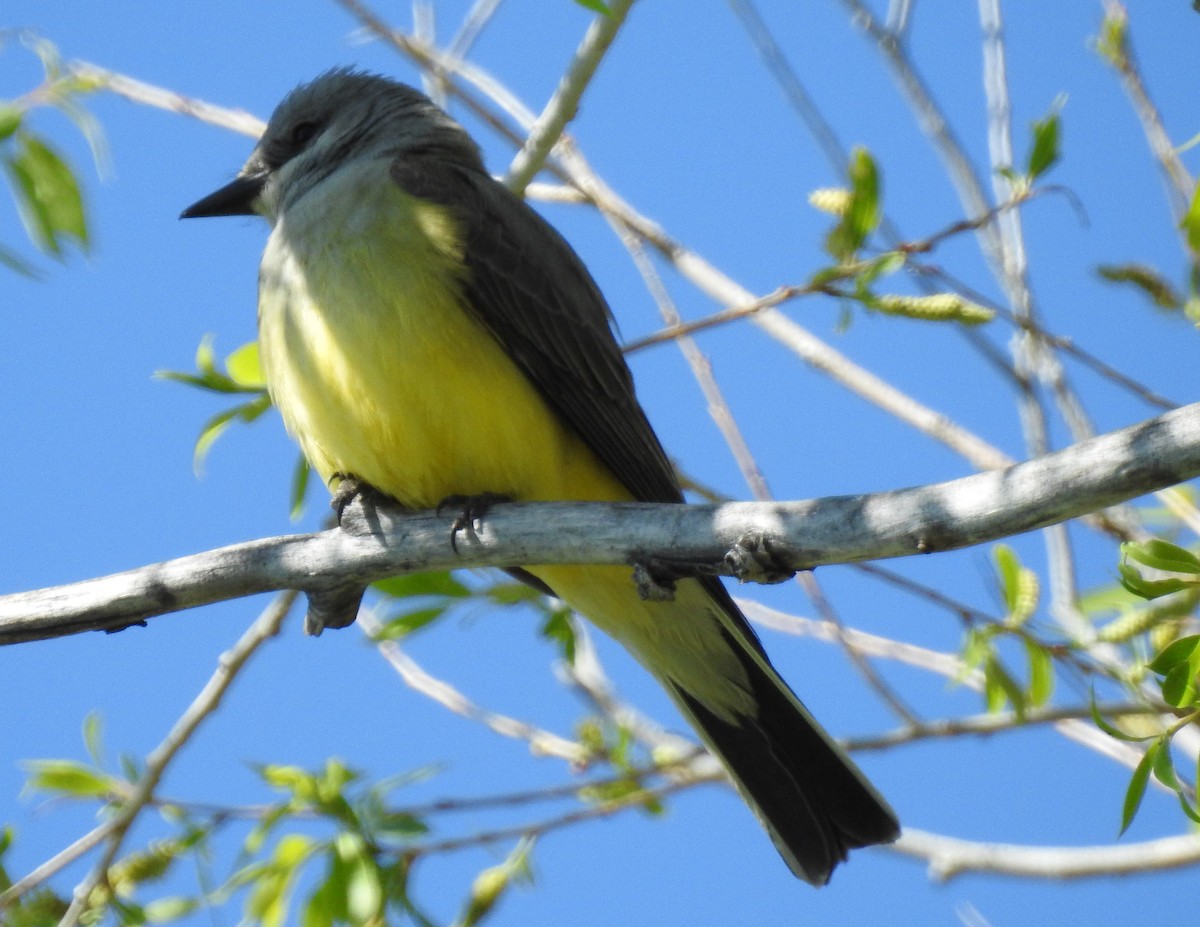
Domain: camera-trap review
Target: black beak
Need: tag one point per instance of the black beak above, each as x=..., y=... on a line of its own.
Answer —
x=233, y=199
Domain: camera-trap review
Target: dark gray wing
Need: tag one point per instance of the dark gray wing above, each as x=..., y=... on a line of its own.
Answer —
x=531, y=291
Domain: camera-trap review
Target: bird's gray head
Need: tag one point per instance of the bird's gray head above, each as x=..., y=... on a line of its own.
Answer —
x=341, y=116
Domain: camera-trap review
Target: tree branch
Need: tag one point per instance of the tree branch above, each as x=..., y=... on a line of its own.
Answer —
x=565, y=103
x=750, y=540
x=949, y=856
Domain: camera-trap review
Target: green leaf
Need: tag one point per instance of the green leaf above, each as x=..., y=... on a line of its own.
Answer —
x=1164, y=769
x=327, y=905
x=209, y=433
x=10, y=120
x=1041, y=673
x=69, y=777
x=976, y=649
x=1000, y=687
x=1146, y=279
x=245, y=376
x=364, y=890
x=335, y=776
x=131, y=914
x=1192, y=811
x=48, y=196
x=512, y=593
x=1191, y=222
x=1137, y=786
x=1179, y=686
x=596, y=6
x=1112, y=43
x=884, y=265
x=399, y=825
x=1162, y=555
x=439, y=583
x=1046, y=140
x=491, y=884
x=258, y=834
x=1008, y=568
x=215, y=427
x=93, y=736
x=559, y=629
x=164, y=910
x=244, y=367
x=299, y=782
x=1110, y=730
x=1185, y=651
x=1018, y=584
x=16, y=263
x=402, y=626
x=299, y=488
x=1134, y=582
x=270, y=895
x=863, y=212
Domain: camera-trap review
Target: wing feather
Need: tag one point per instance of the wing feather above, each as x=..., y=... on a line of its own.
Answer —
x=531, y=291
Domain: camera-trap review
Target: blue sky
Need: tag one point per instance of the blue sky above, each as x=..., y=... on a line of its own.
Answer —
x=685, y=123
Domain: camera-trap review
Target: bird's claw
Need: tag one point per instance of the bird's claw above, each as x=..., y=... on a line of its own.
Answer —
x=349, y=488
x=469, y=509
x=752, y=560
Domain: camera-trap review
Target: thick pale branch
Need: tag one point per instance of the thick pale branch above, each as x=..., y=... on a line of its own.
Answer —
x=749, y=540
x=949, y=856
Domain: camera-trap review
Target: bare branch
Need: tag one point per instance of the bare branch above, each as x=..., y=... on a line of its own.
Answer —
x=541, y=742
x=984, y=725
x=949, y=856
x=236, y=120
x=1179, y=182
x=742, y=539
x=565, y=103
x=205, y=703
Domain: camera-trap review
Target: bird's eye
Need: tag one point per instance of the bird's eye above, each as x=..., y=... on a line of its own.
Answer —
x=303, y=132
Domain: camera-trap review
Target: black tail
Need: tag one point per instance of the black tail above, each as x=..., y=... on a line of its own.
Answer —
x=812, y=799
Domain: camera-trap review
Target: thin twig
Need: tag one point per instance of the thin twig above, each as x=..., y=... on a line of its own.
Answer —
x=478, y=16
x=1180, y=186
x=875, y=682
x=932, y=120
x=564, y=104
x=701, y=367
x=587, y=675
x=54, y=864
x=947, y=665
x=230, y=664
x=235, y=120
x=638, y=799
x=541, y=742
x=994, y=723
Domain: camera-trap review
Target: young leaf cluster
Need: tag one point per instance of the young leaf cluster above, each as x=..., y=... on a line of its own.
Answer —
x=44, y=185
x=1175, y=670
x=1020, y=590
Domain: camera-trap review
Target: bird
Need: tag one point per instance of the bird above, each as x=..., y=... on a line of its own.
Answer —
x=427, y=335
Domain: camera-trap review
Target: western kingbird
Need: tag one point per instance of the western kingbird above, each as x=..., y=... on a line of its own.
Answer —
x=426, y=333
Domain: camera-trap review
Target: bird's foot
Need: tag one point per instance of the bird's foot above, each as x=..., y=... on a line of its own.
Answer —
x=350, y=488
x=469, y=509
x=752, y=560
x=655, y=577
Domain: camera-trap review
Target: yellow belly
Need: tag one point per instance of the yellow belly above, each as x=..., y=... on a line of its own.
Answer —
x=380, y=373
